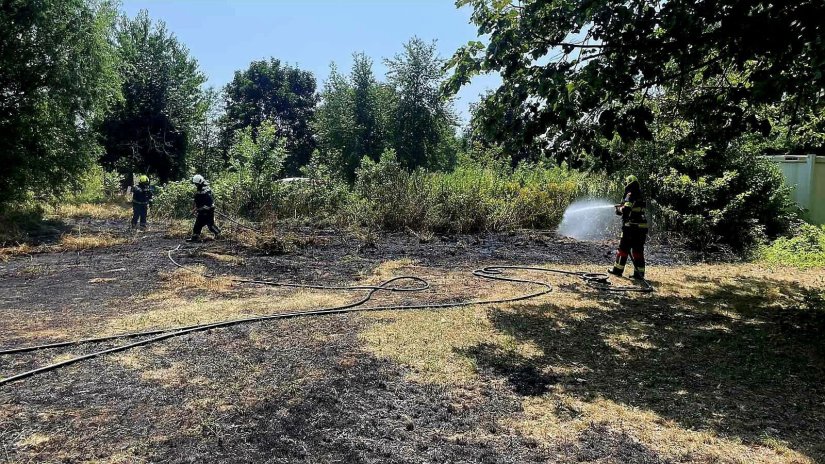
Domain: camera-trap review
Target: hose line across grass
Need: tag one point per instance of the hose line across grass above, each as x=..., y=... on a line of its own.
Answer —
x=396, y=284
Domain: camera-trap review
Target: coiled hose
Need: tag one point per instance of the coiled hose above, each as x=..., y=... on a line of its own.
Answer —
x=595, y=280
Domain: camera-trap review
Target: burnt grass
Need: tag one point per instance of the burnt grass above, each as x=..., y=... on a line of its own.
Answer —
x=306, y=390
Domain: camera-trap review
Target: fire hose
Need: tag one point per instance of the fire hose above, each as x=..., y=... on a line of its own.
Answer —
x=416, y=284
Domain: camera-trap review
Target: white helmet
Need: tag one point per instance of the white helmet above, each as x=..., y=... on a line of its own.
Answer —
x=198, y=180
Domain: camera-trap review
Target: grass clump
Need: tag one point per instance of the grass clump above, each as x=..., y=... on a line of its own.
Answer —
x=103, y=211
x=804, y=250
x=471, y=198
x=88, y=242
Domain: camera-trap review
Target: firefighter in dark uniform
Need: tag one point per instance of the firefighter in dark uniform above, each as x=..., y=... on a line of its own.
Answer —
x=141, y=199
x=204, y=209
x=634, y=229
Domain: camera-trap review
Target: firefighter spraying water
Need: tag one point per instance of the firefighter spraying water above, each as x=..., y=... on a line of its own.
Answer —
x=634, y=229
x=594, y=220
x=589, y=220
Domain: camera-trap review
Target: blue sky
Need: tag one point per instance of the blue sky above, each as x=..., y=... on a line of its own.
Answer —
x=225, y=36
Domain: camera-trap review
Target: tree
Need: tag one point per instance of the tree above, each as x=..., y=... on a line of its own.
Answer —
x=335, y=124
x=369, y=122
x=422, y=121
x=150, y=130
x=572, y=71
x=205, y=156
x=58, y=76
x=353, y=116
x=275, y=92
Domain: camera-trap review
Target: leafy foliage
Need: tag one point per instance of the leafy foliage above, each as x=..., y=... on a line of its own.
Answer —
x=387, y=196
x=256, y=163
x=150, y=130
x=422, y=117
x=96, y=186
x=805, y=249
x=353, y=118
x=362, y=117
x=205, y=155
x=572, y=70
x=710, y=195
x=58, y=77
x=281, y=94
x=471, y=198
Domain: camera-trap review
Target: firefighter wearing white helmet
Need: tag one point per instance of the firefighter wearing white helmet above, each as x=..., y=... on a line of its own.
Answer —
x=204, y=209
x=141, y=199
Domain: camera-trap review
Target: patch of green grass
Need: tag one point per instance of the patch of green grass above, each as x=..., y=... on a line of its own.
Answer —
x=806, y=249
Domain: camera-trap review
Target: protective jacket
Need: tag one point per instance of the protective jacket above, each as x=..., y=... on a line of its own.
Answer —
x=141, y=195
x=204, y=201
x=633, y=208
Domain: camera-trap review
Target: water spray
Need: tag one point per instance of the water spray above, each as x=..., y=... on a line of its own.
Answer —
x=592, y=219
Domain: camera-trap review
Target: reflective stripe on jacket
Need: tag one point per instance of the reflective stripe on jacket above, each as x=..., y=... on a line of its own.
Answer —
x=204, y=201
x=141, y=195
x=633, y=210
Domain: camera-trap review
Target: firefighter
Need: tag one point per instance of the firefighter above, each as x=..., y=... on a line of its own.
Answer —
x=204, y=209
x=634, y=229
x=141, y=199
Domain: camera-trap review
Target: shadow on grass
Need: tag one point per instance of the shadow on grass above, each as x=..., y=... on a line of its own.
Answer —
x=29, y=226
x=745, y=360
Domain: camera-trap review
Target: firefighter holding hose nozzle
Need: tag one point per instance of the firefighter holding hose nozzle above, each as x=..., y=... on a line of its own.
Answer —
x=634, y=229
x=204, y=209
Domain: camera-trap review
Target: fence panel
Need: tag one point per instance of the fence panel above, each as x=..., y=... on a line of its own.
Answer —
x=806, y=174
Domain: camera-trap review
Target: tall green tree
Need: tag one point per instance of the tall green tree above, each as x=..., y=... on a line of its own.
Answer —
x=352, y=119
x=574, y=70
x=335, y=125
x=279, y=93
x=151, y=129
x=57, y=77
x=205, y=154
x=422, y=120
x=367, y=105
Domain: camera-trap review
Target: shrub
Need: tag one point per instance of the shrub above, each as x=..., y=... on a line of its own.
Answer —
x=804, y=249
x=97, y=185
x=385, y=196
x=174, y=200
x=469, y=199
x=735, y=198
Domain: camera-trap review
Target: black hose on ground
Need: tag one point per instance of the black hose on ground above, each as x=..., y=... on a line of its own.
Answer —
x=596, y=280
x=238, y=223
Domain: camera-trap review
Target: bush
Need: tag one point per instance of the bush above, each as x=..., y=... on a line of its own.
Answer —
x=471, y=198
x=804, y=249
x=385, y=196
x=735, y=198
x=174, y=200
x=97, y=185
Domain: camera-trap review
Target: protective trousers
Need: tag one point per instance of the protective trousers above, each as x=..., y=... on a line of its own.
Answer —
x=632, y=244
x=205, y=218
x=139, y=211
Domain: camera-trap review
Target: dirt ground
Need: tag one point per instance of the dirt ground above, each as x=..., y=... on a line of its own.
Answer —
x=724, y=363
